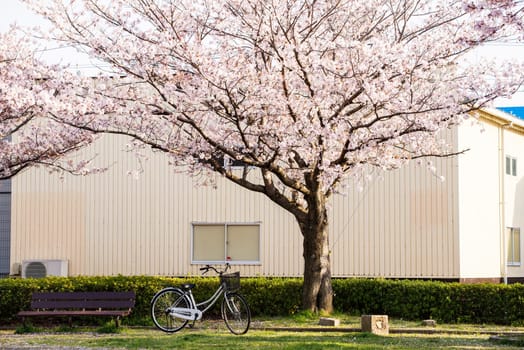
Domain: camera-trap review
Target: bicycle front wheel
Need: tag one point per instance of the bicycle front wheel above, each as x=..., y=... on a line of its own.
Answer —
x=162, y=310
x=235, y=313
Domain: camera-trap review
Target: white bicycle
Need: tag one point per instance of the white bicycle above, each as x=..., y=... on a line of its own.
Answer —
x=173, y=308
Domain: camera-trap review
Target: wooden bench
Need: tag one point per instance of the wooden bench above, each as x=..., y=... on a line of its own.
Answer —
x=74, y=304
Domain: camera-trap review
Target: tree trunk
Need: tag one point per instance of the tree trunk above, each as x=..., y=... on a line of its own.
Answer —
x=317, y=295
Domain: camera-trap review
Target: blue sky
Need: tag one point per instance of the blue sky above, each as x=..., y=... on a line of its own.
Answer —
x=517, y=111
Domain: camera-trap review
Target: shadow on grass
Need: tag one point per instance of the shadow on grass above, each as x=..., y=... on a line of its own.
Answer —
x=284, y=340
x=512, y=340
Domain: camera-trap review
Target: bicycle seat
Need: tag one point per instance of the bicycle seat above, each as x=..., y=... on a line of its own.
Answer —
x=188, y=286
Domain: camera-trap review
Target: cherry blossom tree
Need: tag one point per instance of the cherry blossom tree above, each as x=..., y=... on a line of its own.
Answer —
x=303, y=93
x=28, y=89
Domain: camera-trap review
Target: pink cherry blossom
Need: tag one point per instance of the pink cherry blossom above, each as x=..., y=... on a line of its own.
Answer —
x=28, y=91
x=305, y=93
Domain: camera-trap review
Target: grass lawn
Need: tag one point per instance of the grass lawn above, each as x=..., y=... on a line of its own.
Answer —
x=213, y=334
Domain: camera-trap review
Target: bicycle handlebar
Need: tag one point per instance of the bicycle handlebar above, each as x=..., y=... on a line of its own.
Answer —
x=208, y=267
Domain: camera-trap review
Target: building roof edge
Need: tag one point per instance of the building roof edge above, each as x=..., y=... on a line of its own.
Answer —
x=501, y=119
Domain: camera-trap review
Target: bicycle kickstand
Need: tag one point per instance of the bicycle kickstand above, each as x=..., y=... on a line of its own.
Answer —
x=192, y=324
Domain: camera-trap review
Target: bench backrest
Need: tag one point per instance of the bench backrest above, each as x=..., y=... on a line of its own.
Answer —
x=83, y=300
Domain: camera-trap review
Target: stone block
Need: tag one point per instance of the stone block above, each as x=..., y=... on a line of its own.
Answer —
x=429, y=323
x=326, y=321
x=376, y=324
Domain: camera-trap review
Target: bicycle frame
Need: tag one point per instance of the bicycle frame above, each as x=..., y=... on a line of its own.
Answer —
x=197, y=310
x=209, y=302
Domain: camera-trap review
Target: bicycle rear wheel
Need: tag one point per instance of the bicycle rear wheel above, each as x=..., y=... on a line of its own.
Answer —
x=236, y=313
x=162, y=310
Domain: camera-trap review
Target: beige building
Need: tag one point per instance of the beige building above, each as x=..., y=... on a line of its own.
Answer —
x=401, y=224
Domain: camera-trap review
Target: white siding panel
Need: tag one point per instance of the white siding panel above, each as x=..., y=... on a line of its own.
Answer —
x=111, y=223
x=514, y=195
x=399, y=225
x=479, y=202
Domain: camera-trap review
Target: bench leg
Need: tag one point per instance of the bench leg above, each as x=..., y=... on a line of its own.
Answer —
x=117, y=321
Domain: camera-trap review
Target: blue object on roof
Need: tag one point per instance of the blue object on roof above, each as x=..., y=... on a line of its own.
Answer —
x=515, y=111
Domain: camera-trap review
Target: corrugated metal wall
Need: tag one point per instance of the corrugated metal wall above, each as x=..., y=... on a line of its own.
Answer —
x=399, y=225
x=5, y=227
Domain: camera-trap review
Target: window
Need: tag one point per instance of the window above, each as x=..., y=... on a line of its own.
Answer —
x=233, y=163
x=511, y=166
x=217, y=243
x=513, y=237
x=225, y=162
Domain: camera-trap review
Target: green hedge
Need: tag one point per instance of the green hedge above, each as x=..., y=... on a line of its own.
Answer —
x=442, y=301
x=15, y=294
x=406, y=299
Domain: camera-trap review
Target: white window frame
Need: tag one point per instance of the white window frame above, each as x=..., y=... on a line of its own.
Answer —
x=226, y=225
x=511, y=165
x=510, y=259
x=231, y=163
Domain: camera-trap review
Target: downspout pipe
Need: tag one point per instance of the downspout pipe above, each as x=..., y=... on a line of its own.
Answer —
x=502, y=204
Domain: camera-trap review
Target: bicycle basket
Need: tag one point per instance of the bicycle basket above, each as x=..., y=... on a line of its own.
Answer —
x=231, y=281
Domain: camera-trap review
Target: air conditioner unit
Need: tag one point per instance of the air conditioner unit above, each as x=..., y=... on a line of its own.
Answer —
x=44, y=268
